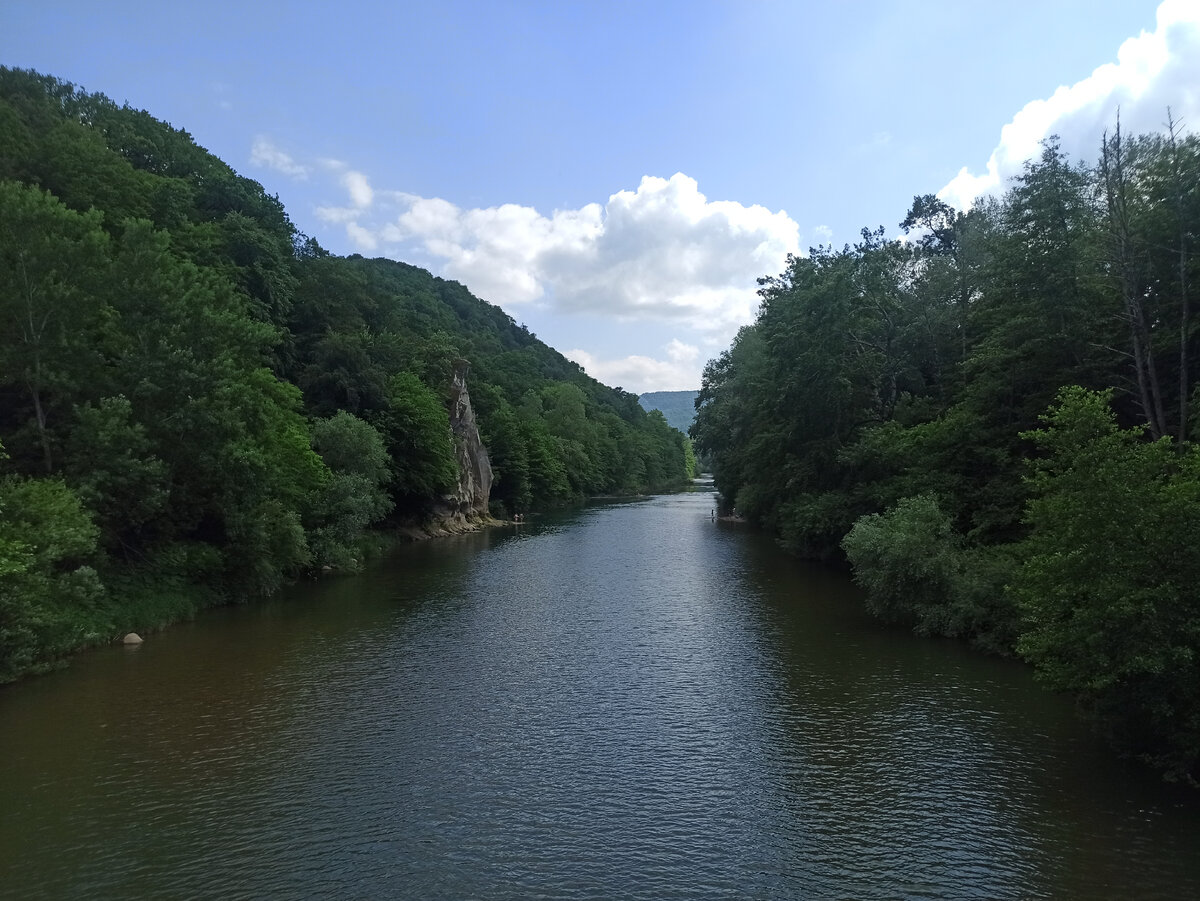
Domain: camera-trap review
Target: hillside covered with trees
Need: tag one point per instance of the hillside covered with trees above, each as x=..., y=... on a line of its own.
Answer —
x=679, y=407
x=197, y=402
x=995, y=421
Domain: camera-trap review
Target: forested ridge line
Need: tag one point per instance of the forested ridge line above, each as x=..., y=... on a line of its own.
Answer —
x=994, y=420
x=198, y=402
x=678, y=407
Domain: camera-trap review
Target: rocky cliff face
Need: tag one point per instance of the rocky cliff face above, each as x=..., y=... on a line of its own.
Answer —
x=470, y=498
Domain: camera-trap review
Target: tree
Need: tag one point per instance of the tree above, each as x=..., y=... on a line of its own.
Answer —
x=110, y=462
x=1180, y=155
x=918, y=570
x=51, y=260
x=416, y=428
x=47, y=540
x=950, y=242
x=1108, y=588
x=1126, y=260
x=503, y=436
x=354, y=495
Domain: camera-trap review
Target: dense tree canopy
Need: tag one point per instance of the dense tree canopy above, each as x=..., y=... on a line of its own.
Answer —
x=889, y=399
x=198, y=402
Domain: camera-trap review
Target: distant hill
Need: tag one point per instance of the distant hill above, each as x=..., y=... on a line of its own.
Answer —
x=679, y=407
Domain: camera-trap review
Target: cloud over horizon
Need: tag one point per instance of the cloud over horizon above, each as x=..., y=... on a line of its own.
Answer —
x=266, y=154
x=1152, y=71
x=662, y=252
x=677, y=373
x=665, y=257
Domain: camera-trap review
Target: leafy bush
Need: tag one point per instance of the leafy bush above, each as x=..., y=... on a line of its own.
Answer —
x=916, y=570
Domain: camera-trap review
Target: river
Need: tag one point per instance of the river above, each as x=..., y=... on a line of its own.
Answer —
x=628, y=701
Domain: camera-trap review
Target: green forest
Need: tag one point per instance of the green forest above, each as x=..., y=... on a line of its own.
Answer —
x=679, y=407
x=199, y=403
x=994, y=421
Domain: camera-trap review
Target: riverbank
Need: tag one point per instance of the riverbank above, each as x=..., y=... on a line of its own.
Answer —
x=148, y=600
x=445, y=526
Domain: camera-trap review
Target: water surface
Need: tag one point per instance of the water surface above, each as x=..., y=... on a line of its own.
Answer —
x=632, y=701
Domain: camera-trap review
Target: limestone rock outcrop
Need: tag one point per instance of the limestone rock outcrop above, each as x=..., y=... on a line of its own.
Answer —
x=470, y=498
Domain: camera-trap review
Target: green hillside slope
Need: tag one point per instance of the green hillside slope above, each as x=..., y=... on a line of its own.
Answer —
x=679, y=407
x=198, y=402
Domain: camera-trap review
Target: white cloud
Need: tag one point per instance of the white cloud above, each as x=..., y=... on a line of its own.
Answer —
x=663, y=251
x=362, y=238
x=679, y=372
x=336, y=214
x=361, y=197
x=678, y=352
x=264, y=153
x=359, y=188
x=1152, y=71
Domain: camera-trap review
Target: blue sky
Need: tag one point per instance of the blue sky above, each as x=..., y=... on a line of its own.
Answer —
x=617, y=175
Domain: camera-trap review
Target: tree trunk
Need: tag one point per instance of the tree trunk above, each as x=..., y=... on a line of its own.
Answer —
x=1112, y=167
x=1184, y=310
x=40, y=414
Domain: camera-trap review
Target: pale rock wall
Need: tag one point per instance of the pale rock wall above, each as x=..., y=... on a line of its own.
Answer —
x=470, y=498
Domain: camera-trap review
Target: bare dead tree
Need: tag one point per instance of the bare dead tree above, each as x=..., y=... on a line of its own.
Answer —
x=1121, y=238
x=1185, y=327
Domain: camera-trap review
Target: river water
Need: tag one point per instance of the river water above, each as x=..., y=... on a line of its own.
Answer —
x=629, y=701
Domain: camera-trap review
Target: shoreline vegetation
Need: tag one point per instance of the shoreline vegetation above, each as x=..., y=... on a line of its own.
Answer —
x=199, y=403
x=994, y=421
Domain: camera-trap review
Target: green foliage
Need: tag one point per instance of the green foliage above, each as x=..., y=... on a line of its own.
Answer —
x=908, y=560
x=883, y=376
x=354, y=495
x=547, y=471
x=691, y=468
x=417, y=431
x=51, y=262
x=918, y=571
x=512, y=488
x=168, y=339
x=109, y=460
x=349, y=445
x=1109, y=587
x=47, y=587
x=677, y=407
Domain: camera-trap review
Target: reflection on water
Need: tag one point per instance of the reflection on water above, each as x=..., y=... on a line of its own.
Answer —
x=632, y=701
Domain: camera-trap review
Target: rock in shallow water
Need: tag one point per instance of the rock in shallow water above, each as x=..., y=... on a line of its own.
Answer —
x=132, y=638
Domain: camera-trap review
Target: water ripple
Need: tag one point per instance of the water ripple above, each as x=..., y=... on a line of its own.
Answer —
x=641, y=704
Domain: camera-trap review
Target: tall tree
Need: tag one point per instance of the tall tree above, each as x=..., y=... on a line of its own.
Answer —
x=52, y=263
x=1108, y=588
x=1126, y=257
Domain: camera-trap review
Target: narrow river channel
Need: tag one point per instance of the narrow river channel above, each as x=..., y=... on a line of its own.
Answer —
x=629, y=701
